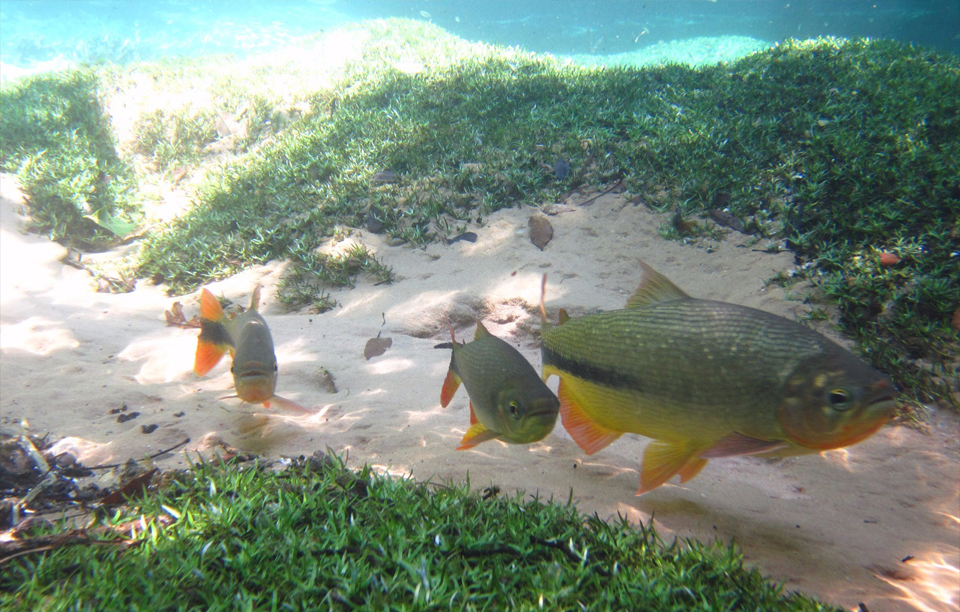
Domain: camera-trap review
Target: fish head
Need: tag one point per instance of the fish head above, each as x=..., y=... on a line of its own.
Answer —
x=835, y=401
x=525, y=416
x=254, y=366
x=255, y=381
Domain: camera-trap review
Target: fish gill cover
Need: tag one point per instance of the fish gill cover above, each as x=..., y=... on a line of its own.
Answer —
x=839, y=150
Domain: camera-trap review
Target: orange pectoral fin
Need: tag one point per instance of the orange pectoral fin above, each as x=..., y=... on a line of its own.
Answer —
x=450, y=385
x=475, y=435
x=208, y=355
x=662, y=460
x=473, y=415
x=588, y=435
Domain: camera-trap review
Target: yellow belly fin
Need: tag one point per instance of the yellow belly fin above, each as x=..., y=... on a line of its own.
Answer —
x=475, y=435
x=587, y=433
x=663, y=460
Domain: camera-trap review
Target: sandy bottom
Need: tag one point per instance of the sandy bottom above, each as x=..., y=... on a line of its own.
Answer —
x=876, y=523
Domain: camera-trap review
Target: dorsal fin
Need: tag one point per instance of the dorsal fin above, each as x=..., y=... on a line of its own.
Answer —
x=255, y=298
x=563, y=316
x=481, y=331
x=654, y=287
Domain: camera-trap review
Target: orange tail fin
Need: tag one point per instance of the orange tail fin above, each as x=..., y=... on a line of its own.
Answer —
x=214, y=340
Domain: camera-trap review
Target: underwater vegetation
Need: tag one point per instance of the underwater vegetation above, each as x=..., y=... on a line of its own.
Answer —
x=838, y=150
x=237, y=534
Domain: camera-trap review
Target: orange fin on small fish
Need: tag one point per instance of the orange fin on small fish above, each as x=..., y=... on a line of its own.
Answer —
x=735, y=444
x=564, y=316
x=450, y=385
x=662, y=460
x=475, y=435
x=588, y=435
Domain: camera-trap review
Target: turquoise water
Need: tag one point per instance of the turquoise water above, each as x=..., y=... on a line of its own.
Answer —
x=54, y=33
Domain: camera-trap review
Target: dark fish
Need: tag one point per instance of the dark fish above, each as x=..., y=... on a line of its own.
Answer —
x=508, y=401
x=384, y=177
x=465, y=236
x=727, y=219
x=561, y=169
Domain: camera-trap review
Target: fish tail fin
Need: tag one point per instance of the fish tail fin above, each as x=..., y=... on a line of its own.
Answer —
x=255, y=298
x=589, y=435
x=663, y=460
x=450, y=385
x=475, y=435
x=214, y=340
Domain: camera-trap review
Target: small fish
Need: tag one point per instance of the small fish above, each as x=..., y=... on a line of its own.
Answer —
x=250, y=344
x=561, y=169
x=385, y=177
x=508, y=401
x=705, y=380
x=465, y=236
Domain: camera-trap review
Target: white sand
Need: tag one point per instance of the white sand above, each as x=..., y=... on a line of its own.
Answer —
x=835, y=526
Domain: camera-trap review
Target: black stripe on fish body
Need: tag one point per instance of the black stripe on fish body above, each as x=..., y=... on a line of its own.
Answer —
x=682, y=349
x=590, y=372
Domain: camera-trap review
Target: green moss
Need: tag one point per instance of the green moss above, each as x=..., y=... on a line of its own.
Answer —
x=54, y=133
x=318, y=536
x=836, y=149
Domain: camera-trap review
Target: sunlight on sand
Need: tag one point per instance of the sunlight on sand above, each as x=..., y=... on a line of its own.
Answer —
x=30, y=336
x=390, y=366
x=839, y=456
x=935, y=580
x=86, y=452
x=165, y=359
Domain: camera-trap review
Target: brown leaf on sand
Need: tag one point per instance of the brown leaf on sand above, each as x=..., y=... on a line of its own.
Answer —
x=133, y=487
x=376, y=347
x=541, y=231
x=175, y=317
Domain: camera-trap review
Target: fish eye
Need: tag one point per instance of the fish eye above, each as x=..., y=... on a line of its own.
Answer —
x=839, y=399
x=514, y=409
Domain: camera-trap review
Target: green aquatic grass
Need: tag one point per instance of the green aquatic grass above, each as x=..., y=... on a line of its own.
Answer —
x=55, y=135
x=319, y=536
x=837, y=150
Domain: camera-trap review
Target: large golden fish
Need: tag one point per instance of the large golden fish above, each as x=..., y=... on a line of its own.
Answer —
x=247, y=338
x=508, y=401
x=707, y=379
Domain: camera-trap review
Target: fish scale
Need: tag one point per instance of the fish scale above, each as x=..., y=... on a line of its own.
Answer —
x=508, y=400
x=660, y=362
x=706, y=379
